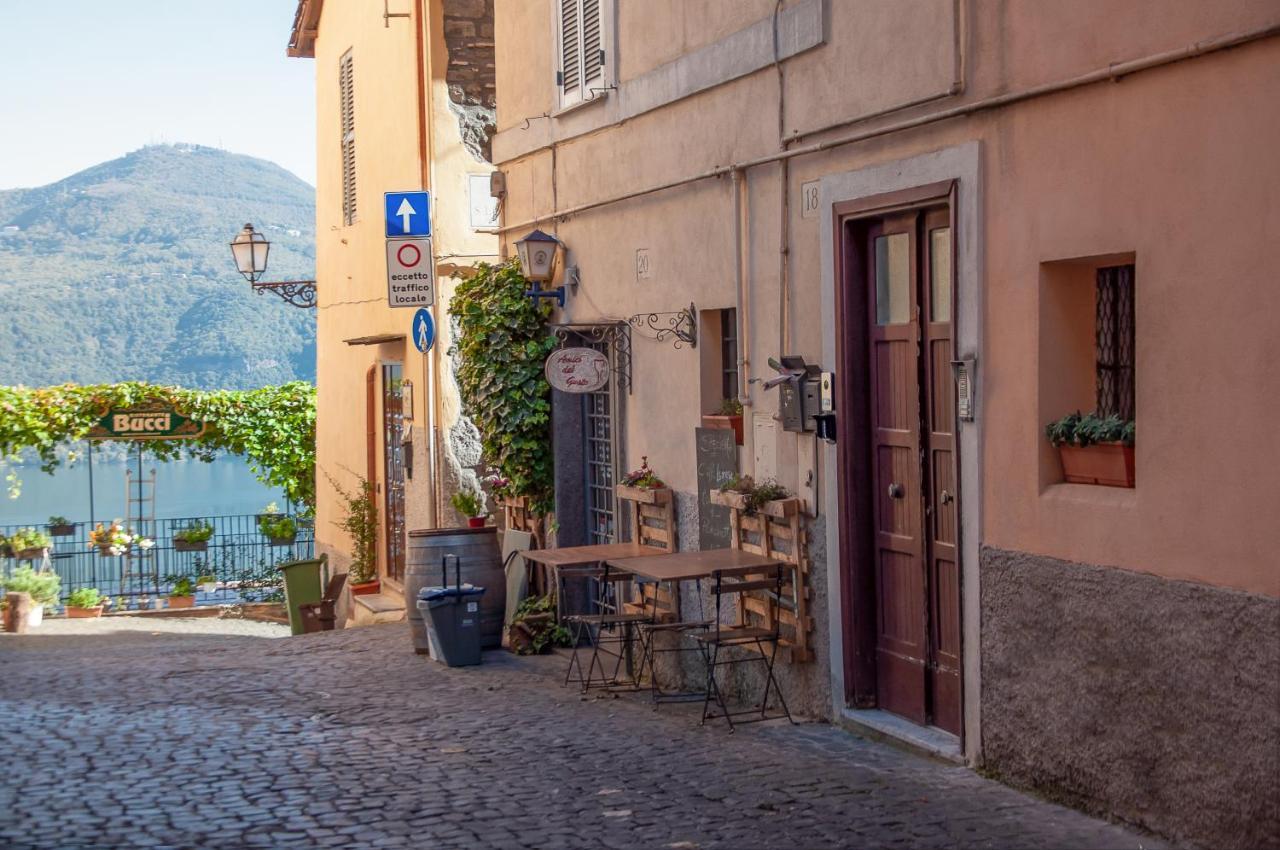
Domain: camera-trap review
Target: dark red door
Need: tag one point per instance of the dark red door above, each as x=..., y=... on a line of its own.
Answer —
x=912, y=485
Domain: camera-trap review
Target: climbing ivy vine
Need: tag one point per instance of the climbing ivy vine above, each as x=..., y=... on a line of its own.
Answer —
x=273, y=427
x=502, y=343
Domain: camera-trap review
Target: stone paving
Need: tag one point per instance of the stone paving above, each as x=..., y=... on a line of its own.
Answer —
x=130, y=739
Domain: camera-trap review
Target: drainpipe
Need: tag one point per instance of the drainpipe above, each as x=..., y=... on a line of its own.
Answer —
x=741, y=222
x=430, y=362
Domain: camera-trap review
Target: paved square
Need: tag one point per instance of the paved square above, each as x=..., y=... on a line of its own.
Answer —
x=200, y=738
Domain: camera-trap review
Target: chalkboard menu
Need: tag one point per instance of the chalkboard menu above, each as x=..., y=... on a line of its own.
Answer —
x=717, y=463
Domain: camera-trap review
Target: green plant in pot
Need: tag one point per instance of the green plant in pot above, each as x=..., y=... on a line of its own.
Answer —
x=728, y=416
x=280, y=529
x=60, y=526
x=85, y=602
x=745, y=493
x=29, y=544
x=360, y=522
x=183, y=594
x=1094, y=449
x=193, y=537
x=43, y=586
x=534, y=629
x=471, y=506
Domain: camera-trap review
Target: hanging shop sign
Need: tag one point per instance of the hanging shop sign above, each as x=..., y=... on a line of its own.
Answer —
x=146, y=422
x=577, y=370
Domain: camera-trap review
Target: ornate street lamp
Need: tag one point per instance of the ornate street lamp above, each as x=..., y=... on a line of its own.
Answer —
x=249, y=250
x=538, y=255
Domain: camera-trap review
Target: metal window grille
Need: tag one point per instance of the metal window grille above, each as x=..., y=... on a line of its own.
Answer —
x=729, y=353
x=1115, y=341
x=601, y=508
x=393, y=452
x=581, y=49
x=346, y=97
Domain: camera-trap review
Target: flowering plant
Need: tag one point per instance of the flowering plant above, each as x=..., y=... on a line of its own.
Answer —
x=115, y=539
x=498, y=485
x=644, y=477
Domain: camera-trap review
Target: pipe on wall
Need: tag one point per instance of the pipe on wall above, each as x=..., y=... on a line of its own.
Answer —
x=429, y=360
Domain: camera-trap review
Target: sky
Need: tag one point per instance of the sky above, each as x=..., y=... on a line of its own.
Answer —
x=86, y=81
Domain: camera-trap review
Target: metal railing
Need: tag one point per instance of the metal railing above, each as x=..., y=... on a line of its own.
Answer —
x=238, y=555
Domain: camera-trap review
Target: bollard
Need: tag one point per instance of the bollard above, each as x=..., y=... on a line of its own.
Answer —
x=17, y=613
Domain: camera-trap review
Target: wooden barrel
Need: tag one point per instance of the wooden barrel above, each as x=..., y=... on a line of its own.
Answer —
x=481, y=562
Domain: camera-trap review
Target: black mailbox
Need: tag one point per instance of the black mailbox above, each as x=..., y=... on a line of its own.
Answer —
x=800, y=397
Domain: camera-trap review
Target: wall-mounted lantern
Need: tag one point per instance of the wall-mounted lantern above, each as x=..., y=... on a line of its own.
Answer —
x=539, y=253
x=249, y=250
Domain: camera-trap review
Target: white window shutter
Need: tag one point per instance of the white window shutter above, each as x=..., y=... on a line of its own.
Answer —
x=347, y=108
x=592, y=48
x=581, y=50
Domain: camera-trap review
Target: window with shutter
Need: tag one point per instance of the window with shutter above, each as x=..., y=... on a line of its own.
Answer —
x=582, y=50
x=346, y=97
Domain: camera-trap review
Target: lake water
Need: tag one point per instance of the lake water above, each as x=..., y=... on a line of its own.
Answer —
x=183, y=489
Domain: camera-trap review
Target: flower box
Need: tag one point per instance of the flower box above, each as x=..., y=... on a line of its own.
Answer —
x=365, y=587
x=778, y=508
x=645, y=495
x=74, y=613
x=1107, y=464
x=181, y=601
x=189, y=546
x=724, y=423
x=728, y=499
x=67, y=530
x=34, y=554
x=283, y=541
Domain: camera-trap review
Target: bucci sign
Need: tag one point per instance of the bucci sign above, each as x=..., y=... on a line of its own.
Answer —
x=152, y=422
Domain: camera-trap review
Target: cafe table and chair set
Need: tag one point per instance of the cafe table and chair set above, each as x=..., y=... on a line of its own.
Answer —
x=755, y=588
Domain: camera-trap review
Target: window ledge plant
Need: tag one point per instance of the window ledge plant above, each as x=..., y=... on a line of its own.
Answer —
x=644, y=485
x=1094, y=449
x=727, y=417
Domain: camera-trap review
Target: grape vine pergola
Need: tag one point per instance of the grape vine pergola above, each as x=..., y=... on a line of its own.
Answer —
x=274, y=428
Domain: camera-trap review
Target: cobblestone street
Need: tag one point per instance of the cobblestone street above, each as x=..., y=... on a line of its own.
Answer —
x=188, y=738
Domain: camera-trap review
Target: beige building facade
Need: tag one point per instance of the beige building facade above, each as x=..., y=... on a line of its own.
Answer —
x=977, y=217
x=404, y=102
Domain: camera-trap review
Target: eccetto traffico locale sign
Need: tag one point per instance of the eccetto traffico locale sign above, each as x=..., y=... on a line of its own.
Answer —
x=410, y=273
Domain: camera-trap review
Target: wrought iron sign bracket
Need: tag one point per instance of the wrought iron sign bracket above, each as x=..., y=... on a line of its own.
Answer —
x=615, y=334
x=299, y=293
x=682, y=326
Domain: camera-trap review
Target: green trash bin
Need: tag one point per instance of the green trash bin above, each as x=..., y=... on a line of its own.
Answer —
x=304, y=583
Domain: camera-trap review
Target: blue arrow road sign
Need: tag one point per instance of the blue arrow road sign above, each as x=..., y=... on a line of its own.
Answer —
x=408, y=214
x=424, y=330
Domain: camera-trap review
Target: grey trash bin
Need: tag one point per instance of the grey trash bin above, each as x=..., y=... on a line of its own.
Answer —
x=452, y=618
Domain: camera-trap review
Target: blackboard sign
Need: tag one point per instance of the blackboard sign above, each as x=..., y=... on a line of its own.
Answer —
x=717, y=463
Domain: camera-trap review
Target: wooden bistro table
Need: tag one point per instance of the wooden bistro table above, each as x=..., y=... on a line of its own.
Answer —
x=615, y=554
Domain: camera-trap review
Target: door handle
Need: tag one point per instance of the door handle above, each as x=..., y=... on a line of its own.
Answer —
x=896, y=491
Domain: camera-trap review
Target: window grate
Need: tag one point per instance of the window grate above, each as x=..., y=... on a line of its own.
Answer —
x=601, y=508
x=1115, y=342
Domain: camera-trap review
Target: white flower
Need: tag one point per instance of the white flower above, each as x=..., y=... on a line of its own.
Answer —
x=145, y=543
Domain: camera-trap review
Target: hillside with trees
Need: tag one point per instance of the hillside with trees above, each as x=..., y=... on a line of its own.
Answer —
x=122, y=272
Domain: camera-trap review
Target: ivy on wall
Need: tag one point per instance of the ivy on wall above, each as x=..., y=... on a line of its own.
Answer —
x=502, y=343
x=273, y=427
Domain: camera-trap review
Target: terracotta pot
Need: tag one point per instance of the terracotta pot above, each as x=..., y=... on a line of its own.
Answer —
x=67, y=530
x=188, y=546
x=83, y=613
x=182, y=601
x=734, y=423
x=366, y=587
x=476, y=521
x=1107, y=464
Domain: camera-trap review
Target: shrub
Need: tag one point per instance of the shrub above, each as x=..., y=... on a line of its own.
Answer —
x=84, y=597
x=360, y=522
x=43, y=586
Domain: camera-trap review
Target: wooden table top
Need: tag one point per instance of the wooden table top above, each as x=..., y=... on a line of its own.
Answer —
x=683, y=566
x=573, y=556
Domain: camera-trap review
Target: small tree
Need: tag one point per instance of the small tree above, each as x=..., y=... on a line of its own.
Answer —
x=360, y=522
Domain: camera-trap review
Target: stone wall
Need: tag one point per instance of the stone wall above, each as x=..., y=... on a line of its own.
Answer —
x=1153, y=700
x=468, y=34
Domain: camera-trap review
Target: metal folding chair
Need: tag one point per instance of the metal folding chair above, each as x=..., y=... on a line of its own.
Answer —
x=610, y=631
x=760, y=640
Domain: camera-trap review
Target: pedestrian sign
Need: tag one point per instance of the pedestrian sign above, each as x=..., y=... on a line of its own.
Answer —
x=408, y=214
x=410, y=273
x=424, y=330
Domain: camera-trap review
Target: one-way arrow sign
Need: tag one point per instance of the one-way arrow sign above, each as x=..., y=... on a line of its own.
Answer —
x=408, y=214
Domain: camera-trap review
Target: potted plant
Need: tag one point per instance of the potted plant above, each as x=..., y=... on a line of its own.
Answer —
x=194, y=537
x=534, y=628
x=85, y=602
x=60, y=526
x=207, y=583
x=743, y=493
x=278, y=528
x=727, y=416
x=28, y=544
x=42, y=585
x=643, y=485
x=1094, y=449
x=470, y=505
x=183, y=594
x=360, y=522
x=115, y=540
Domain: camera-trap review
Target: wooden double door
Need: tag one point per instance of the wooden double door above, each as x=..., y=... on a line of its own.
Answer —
x=910, y=553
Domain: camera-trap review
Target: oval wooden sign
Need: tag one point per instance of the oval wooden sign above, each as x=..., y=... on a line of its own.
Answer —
x=577, y=370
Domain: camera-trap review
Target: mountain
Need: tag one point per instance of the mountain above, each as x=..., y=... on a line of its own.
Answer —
x=122, y=272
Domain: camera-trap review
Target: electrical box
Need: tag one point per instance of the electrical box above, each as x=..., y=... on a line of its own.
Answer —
x=825, y=418
x=964, y=371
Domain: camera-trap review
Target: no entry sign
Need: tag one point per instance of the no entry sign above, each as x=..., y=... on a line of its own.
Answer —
x=410, y=273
